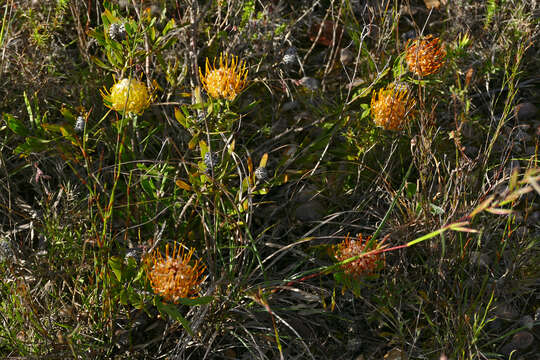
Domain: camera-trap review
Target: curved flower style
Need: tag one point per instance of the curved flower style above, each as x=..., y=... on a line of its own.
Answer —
x=426, y=56
x=171, y=276
x=227, y=81
x=128, y=95
x=391, y=107
x=364, y=265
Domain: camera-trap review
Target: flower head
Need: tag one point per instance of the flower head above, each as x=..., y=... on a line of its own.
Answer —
x=173, y=277
x=425, y=56
x=391, y=107
x=227, y=81
x=365, y=264
x=128, y=95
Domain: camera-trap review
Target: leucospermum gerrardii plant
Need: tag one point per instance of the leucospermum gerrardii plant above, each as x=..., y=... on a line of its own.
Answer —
x=172, y=276
x=391, y=107
x=226, y=81
x=425, y=56
x=128, y=96
x=365, y=264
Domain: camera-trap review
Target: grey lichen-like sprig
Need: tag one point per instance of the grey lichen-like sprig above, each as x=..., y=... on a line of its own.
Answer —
x=261, y=173
x=117, y=32
x=211, y=160
x=6, y=250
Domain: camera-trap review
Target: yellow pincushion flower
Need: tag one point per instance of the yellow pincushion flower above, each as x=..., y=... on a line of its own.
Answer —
x=391, y=107
x=227, y=81
x=173, y=277
x=426, y=56
x=128, y=95
x=364, y=265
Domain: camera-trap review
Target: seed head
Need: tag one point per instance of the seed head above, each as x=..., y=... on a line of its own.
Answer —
x=425, y=56
x=211, y=160
x=173, y=277
x=227, y=81
x=80, y=124
x=128, y=95
x=291, y=57
x=364, y=265
x=117, y=32
x=261, y=173
x=6, y=250
x=392, y=107
x=309, y=83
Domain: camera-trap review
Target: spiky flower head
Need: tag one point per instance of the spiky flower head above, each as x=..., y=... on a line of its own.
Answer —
x=228, y=80
x=392, y=107
x=128, y=95
x=172, y=276
x=364, y=265
x=425, y=56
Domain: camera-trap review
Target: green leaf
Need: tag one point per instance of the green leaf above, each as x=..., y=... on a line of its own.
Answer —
x=28, y=107
x=54, y=128
x=180, y=117
x=168, y=27
x=123, y=296
x=410, y=189
x=362, y=92
x=193, y=142
x=116, y=265
x=67, y=114
x=101, y=64
x=108, y=18
x=98, y=35
x=197, y=301
x=32, y=145
x=174, y=313
x=366, y=112
x=203, y=147
x=399, y=69
x=169, y=43
x=15, y=125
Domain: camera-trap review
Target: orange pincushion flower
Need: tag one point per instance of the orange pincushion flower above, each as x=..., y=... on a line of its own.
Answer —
x=173, y=277
x=364, y=265
x=227, y=81
x=426, y=56
x=392, y=107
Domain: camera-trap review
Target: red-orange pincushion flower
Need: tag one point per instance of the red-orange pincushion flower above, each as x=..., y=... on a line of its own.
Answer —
x=425, y=56
x=391, y=107
x=173, y=277
x=365, y=264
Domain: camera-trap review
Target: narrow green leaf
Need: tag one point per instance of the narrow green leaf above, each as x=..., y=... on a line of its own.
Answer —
x=174, y=313
x=15, y=125
x=28, y=108
x=116, y=265
x=180, y=117
x=168, y=27
x=101, y=64
x=197, y=301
